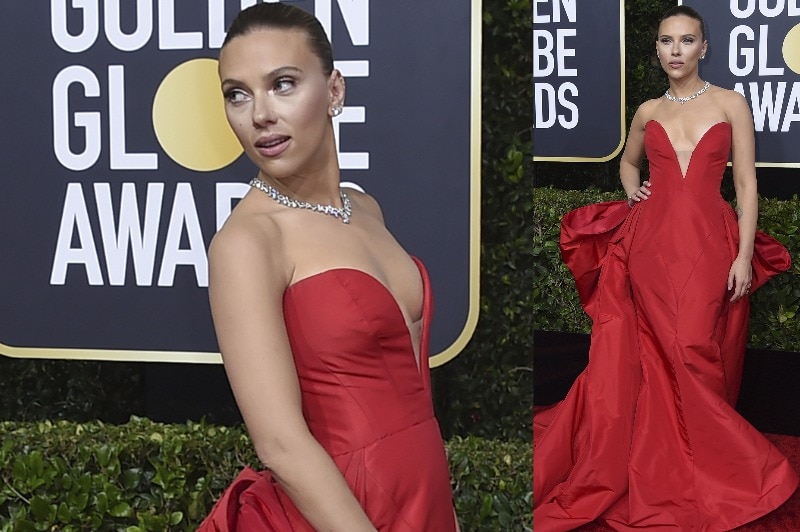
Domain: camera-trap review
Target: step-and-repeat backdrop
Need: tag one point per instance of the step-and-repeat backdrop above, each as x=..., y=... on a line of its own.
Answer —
x=578, y=71
x=754, y=49
x=578, y=80
x=118, y=165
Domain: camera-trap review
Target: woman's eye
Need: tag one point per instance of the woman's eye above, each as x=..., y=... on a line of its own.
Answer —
x=688, y=40
x=664, y=41
x=284, y=84
x=235, y=96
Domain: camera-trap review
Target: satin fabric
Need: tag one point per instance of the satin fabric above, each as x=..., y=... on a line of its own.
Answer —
x=647, y=437
x=365, y=401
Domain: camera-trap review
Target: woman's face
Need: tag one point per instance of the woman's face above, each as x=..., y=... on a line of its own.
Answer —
x=278, y=101
x=679, y=46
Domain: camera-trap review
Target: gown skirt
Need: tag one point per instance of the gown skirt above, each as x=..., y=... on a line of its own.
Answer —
x=647, y=437
x=365, y=401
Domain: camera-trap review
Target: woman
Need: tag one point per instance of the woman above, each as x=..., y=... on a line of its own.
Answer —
x=648, y=437
x=320, y=315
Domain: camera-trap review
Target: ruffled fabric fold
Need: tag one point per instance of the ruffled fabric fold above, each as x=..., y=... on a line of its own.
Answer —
x=254, y=503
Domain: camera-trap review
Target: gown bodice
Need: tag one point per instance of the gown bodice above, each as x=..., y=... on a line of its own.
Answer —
x=354, y=358
x=706, y=164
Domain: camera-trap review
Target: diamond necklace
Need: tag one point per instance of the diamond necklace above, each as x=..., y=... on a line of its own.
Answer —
x=685, y=99
x=344, y=212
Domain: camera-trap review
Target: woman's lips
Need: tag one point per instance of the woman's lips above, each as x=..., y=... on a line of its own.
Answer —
x=273, y=145
x=676, y=64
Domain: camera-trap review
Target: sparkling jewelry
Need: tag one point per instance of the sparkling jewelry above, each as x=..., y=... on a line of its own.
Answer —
x=344, y=212
x=685, y=99
x=336, y=111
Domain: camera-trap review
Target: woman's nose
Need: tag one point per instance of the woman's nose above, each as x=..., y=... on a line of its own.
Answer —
x=263, y=111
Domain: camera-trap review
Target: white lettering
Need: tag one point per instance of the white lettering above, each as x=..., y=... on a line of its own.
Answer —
x=564, y=101
x=120, y=158
x=735, y=50
x=765, y=106
x=563, y=51
x=351, y=160
x=168, y=37
x=792, y=108
x=117, y=242
x=544, y=98
x=89, y=25
x=763, y=69
x=216, y=23
x=89, y=121
x=75, y=216
x=543, y=53
x=537, y=18
x=352, y=115
x=549, y=53
x=568, y=6
x=356, y=18
x=184, y=214
x=128, y=42
x=226, y=193
x=773, y=12
x=738, y=12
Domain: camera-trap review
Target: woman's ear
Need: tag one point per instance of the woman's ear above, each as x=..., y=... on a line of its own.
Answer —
x=336, y=88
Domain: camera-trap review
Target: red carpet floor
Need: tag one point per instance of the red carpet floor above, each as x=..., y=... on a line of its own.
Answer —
x=784, y=519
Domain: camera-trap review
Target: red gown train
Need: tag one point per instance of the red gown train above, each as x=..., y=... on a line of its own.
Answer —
x=367, y=404
x=647, y=437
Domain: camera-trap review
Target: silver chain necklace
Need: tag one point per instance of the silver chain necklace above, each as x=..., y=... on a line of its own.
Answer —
x=344, y=212
x=685, y=99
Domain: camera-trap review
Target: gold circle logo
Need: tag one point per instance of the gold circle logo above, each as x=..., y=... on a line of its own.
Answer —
x=189, y=118
x=791, y=49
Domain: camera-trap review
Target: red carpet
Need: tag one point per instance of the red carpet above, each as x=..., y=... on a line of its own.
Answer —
x=784, y=519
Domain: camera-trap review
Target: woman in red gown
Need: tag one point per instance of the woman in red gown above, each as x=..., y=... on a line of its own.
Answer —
x=320, y=315
x=647, y=437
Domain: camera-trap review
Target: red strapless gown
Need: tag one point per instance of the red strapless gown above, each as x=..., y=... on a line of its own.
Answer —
x=647, y=437
x=367, y=404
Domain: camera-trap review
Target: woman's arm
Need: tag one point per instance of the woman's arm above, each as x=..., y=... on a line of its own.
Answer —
x=247, y=281
x=632, y=159
x=744, y=180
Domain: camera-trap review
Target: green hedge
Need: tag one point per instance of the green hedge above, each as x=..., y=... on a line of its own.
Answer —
x=774, y=321
x=144, y=476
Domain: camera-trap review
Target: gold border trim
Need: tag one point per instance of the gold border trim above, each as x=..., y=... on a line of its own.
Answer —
x=564, y=159
x=475, y=194
x=199, y=357
x=777, y=165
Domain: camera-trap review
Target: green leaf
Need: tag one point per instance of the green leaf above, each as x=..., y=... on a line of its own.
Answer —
x=64, y=515
x=41, y=509
x=122, y=509
x=131, y=478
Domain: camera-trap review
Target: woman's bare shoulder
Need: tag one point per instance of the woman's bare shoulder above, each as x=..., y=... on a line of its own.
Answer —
x=731, y=101
x=645, y=112
x=365, y=203
x=248, y=236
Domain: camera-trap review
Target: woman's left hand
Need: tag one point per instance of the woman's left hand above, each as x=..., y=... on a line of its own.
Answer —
x=739, y=278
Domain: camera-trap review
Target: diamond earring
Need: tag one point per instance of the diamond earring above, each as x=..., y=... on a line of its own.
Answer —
x=336, y=110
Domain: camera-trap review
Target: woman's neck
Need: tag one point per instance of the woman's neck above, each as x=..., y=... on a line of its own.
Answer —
x=680, y=88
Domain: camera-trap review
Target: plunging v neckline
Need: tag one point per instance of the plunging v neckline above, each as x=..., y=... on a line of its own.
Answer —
x=684, y=174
